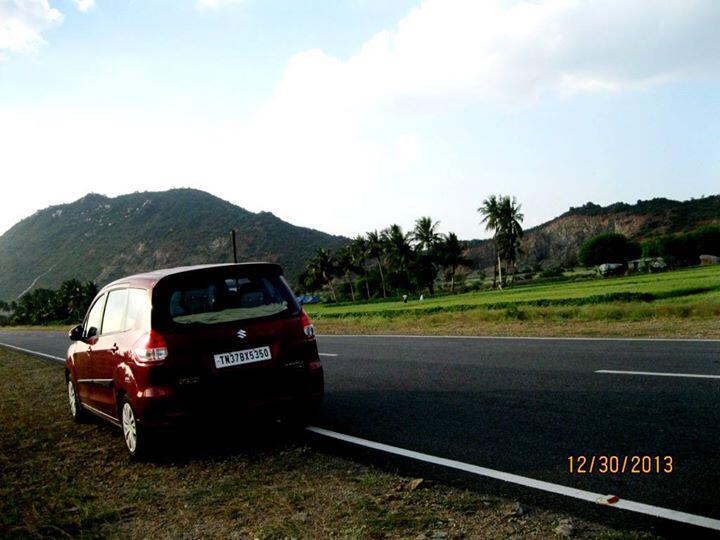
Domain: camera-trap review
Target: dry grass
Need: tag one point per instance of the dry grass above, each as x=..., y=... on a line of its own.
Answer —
x=59, y=479
x=475, y=324
x=45, y=328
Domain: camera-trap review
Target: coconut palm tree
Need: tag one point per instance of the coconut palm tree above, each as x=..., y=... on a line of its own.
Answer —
x=512, y=232
x=346, y=265
x=376, y=250
x=451, y=255
x=427, y=239
x=359, y=250
x=425, y=234
x=502, y=215
x=492, y=218
x=399, y=251
x=324, y=266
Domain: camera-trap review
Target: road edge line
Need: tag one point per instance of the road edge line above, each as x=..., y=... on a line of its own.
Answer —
x=37, y=353
x=657, y=374
x=526, y=338
x=588, y=496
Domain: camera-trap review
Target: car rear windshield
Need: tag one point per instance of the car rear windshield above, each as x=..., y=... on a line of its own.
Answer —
x=216, y=299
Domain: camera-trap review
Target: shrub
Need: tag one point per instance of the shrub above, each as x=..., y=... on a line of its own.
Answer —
x=553, y=271
x=685, y=249
x=608, y=248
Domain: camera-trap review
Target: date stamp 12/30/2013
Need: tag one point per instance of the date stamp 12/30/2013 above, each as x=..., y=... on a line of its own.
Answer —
x=619, y=464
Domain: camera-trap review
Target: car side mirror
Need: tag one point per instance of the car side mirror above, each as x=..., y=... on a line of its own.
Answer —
x=76, y=334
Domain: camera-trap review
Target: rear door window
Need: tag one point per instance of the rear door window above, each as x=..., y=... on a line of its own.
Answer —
x=228, y=298
x=137, y=315
x=115, y=311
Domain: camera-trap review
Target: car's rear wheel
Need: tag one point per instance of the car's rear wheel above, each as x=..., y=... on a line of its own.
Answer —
x=77, y=412
x=136, y=437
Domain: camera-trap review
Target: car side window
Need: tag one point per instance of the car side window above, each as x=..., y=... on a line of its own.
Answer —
x=137, y=315
x=93, y=322
x=115, y=311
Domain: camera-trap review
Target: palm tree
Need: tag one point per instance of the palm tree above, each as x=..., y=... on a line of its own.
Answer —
x=501, y=214
x=491, y=212
x=359, y=250
x=324, y=266
x=512, y=233
x=427, y=240
x=400, y=252
x=425, y=234
x=376, y=249
x=451, y=256
x=345, y=264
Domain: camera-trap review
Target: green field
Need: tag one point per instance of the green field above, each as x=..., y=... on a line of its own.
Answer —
x=679, y=303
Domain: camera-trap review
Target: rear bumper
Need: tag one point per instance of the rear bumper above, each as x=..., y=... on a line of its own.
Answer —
x=165, y=406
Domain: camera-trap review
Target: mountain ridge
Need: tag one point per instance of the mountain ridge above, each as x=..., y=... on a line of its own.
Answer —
x=556, y=241
x=102, y=238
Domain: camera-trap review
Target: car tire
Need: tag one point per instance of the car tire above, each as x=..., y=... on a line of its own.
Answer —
x=78, y=413
x=136, y=437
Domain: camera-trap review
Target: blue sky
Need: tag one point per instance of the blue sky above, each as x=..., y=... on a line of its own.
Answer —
x=348, y=116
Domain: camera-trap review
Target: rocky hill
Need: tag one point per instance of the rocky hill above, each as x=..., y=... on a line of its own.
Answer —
x=100, y=238
x=556, y=242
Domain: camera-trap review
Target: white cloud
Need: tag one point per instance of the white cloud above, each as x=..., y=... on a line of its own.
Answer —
x=349, y=122
x=22, y=23
x=216, y=4
x=446, y=50
x=84, y=5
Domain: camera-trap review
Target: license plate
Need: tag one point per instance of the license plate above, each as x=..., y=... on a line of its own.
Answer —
x=247, y=356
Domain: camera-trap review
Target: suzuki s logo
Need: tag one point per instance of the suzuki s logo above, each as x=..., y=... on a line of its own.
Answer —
x=242, y=334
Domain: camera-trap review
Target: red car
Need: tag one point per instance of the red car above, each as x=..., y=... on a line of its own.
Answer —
x=159, y=348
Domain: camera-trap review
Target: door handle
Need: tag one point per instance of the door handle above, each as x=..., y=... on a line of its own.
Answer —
x=115, y=348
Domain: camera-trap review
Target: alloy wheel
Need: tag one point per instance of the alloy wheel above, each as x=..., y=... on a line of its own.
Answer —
x=129, y=427
x=72, y=399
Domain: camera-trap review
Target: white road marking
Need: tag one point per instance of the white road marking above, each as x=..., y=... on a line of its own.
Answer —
x=528, y=338
x=657, y=374
x=598, y=498
x=50, y=356
x=327, y=354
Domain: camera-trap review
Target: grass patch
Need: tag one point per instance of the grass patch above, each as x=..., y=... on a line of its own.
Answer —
x=684, y=303
x=58, y=479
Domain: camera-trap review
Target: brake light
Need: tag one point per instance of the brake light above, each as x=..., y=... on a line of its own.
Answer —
x=307, y=325
x=314, y=365
x=152, y=347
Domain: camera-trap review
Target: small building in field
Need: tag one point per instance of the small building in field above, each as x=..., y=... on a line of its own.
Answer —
x=611, y=269
x=647, y=264
x=706, y=260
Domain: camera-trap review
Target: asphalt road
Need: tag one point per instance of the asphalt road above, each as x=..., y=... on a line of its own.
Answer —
x=524, y=406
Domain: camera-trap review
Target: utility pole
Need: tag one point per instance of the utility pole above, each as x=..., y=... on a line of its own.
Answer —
x=232, y=232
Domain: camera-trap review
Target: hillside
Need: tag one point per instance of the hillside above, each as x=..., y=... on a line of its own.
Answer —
x=100, y=238
x=556, y=242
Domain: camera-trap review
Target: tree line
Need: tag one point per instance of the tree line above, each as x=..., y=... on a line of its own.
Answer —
x=66, y=304
x=677, y=250
x=392, y=262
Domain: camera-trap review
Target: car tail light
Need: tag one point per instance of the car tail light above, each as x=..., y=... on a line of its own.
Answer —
x=152, y=347
x=314, y=365
x=307, y=325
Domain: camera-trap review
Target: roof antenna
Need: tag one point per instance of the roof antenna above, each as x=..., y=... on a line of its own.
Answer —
x=232, y=231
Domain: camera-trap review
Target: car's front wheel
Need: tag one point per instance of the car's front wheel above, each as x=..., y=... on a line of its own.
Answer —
x=136, y=437
x=77, y=412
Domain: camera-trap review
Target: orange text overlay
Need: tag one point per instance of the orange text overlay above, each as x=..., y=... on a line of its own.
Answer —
x=616, y=464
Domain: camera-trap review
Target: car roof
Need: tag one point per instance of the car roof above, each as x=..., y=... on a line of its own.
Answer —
x=148, y=280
